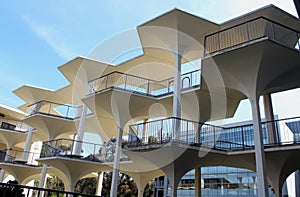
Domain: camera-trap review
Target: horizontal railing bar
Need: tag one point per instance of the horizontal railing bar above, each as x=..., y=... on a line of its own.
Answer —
x=254, y=19
x=147, y=79
x=158, y=120
x=71, y=140
x=60, y=104
x=46, y=190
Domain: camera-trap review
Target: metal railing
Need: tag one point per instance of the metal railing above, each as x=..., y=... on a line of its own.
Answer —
x=54, y=109
x=249, y=31
x=15, y=157
x=14, y=125
x=16, y=190
x=142, y=85
x=275, y=133
x=89, y=151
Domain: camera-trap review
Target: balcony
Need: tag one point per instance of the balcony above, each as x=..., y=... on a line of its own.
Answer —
x=89, y=151
x=142, y=85
x=65, y=111
x=15, y=157
x=251, y=31
x=160, y=132
x=14, y=125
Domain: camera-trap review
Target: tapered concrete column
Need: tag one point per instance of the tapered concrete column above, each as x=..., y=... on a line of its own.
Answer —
x=99, y=183
x=2, y=173
x=262, y=184
x=80, y=131
x=173, y=192
x=43, y=176
x=27, y=145
x=145, y=135
x=198, y=133
x=165, y=186
x=115, y=174
x=198, y=182
x=140, y=192
x=177, y=94
x=72, y=185
x=7, y=155
x=269, y=115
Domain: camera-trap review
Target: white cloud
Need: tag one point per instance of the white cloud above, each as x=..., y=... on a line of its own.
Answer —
x=52, y=37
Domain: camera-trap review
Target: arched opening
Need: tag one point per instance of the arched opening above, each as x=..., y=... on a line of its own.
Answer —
x=87, y=185
x=291, y=185
x=126, y=185
x=158, y=186
x=220, y=181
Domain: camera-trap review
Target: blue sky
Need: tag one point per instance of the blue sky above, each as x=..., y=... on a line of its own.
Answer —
x=38, y=36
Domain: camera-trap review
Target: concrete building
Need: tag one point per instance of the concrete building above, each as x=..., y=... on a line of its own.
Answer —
x=159, y=114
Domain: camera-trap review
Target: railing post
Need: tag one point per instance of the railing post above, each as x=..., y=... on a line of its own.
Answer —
x=247, y=29
x=219, y=45
x=279, y=141
x=125, y=82
x=191, y=82
x=106, y=82
x=67, y=114
x=243, y=139
x=273, y=30
x=214, y=130
x=49, y=108
x=204, y=47
x=161, y=130
x=187, y=132
x=148, y=87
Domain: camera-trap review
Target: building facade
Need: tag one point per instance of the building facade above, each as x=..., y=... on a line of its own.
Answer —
x=164, y=121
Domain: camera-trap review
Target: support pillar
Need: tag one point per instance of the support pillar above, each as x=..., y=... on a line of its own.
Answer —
x=2, y=173
x=72, y=185
x=27, y=145
x=140, y=192
x=198, y=182
x=297, y=183
x=269, y=115
x=43, y=176
x=177, y=94
x=7, y=155
x=173, y=192
x=145, y=134
x=262, y=183
x=115, y=174
x=99, y=184
x=80, y=131
x=165, y=186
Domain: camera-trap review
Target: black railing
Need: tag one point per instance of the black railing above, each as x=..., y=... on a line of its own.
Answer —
x=175, y=129
x=249, y=31
x=54, y=109
x=15, y=157
x=89, y=151
x=142, y=85
x=275, y=133
x=14, y=125
x=14, y=190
